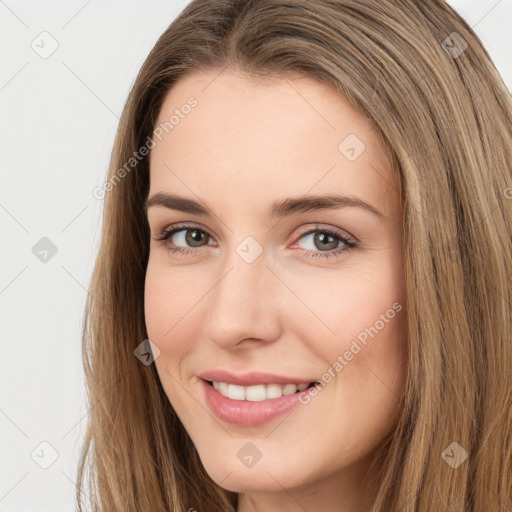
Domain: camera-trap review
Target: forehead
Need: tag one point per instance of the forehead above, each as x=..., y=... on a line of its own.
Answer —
x=272, y=137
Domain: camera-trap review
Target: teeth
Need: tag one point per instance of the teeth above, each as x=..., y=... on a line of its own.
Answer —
x=274, y=391
x=258, y=392
x=289, y=389
x=253, y=393
x=236, y=392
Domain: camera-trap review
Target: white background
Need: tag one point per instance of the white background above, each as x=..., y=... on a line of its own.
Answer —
x=58, y=120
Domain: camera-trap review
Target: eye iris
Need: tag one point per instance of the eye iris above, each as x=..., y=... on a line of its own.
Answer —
x=194, y=236
x=320, y=238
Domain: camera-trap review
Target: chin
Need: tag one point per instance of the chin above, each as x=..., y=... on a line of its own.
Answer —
x=263, y=476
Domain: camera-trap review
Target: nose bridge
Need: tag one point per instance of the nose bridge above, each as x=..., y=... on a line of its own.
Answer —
x=240, y=304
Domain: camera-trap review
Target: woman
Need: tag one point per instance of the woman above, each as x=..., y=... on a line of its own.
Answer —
x=234, y=361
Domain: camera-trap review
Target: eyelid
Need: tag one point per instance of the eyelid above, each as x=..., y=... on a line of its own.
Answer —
x=321, y=227
x=306, y=230
x=344, y=236
x=180, y=226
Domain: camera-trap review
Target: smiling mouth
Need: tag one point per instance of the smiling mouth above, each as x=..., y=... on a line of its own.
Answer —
x=258, y=392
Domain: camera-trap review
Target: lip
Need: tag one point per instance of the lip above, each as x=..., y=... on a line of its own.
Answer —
x=252, y=378
x=244, y=412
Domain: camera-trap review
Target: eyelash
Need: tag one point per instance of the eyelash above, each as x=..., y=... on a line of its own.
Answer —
x=183, y=251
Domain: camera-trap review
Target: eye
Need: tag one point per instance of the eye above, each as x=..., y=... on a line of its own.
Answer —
x=323, y=242
x=328, y=241
x=183, y=234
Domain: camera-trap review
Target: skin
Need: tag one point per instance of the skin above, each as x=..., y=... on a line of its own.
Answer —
x=246, y=144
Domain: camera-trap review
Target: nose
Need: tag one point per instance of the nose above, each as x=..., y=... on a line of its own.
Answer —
x=243, y=307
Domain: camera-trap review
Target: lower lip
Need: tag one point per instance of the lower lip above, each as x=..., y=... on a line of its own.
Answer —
x=244, y=412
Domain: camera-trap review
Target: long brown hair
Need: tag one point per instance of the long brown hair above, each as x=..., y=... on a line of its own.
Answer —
x=418, y=71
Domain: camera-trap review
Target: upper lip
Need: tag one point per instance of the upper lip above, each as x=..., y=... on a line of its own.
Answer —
x=251, y=378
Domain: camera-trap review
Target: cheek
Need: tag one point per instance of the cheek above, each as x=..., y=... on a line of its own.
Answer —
x=156, y=303
x=360, y=335
x=165, y=303
x=353, y=305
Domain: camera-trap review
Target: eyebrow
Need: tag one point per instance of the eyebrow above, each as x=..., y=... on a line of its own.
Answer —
x=281, y=208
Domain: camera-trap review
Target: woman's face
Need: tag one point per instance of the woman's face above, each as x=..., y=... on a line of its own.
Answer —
x=261, y=289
